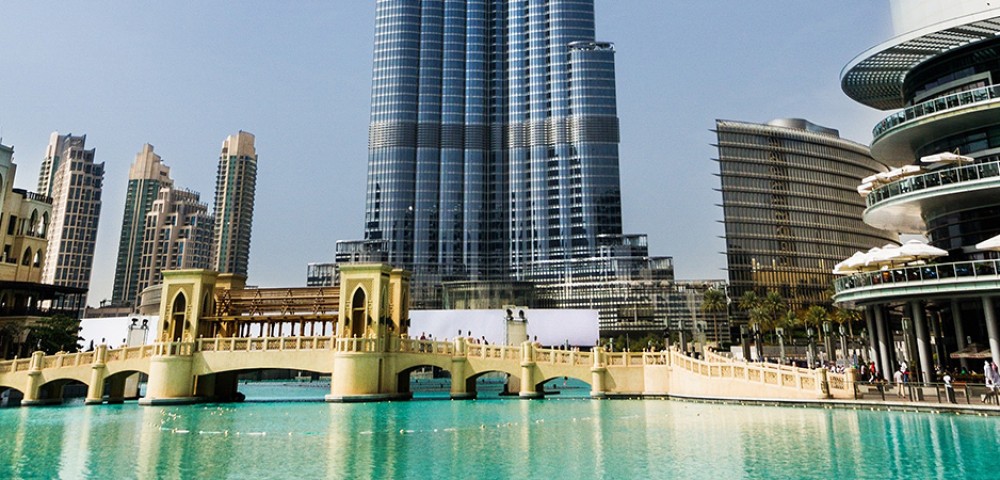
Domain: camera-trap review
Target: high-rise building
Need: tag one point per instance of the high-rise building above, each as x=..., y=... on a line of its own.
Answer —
x=943, y=141
x=24, y=299
x=74, y=182
x=235, y=185
x=177, y=235
x=791, y=207
x=493, y=145
x=147, y=175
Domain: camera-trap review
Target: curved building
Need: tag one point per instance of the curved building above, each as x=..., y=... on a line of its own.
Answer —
x=790, y=205
x=943, y=136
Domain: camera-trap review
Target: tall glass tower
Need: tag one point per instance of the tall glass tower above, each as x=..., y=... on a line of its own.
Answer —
x=493, y=143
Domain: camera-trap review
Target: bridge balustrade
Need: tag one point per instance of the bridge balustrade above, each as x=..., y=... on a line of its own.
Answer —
x=236, y=344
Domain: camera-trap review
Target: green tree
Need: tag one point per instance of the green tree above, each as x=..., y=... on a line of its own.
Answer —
x=55, y=334
x=815, y=316
x=713, y=303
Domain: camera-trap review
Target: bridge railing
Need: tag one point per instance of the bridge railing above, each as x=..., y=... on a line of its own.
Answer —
x=764, y=373
x=414, y=345
x=236, y=344
x=624, y=359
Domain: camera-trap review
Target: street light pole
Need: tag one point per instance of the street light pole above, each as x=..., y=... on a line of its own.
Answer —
x=781, y=342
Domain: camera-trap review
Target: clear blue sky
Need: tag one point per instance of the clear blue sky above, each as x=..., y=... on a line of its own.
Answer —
x=182, y=75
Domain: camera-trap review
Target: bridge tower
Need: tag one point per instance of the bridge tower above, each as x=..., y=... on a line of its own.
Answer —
x=187, y=295
x=374, y=311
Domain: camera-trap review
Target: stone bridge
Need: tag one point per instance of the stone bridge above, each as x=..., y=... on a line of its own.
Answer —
x=212, y=328
x=379, y=369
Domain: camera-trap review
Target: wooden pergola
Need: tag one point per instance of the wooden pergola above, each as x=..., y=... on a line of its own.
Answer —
x=273, y=312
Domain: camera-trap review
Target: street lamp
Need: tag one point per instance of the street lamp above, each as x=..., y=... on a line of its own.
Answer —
x=137, y=333
x=864, y=345
x=743, y=343
x=830, y=354
x=811, y=352
x=781, y=342
x=843, y=343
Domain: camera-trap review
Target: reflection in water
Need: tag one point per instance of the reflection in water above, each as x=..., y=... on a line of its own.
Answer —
x=562, y=438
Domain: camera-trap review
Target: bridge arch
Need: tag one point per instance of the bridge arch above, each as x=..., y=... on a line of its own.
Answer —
x=357, y=316
x=223, y=386
x=175, y=324
x=558, y=382
x=10, y=396
x=491, y=379
x=441, y=377
x=51, y=392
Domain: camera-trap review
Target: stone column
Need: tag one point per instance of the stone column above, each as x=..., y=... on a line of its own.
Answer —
x=33, y=389
x=872, y=335
x=883, y=343
x=991, y=328
x=528, y=371
x=956, y=318
x=597, y=372
x=923, y=340
x=95, y=389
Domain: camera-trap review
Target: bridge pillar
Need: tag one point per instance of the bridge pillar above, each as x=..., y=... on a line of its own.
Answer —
x=32, y=391
x=361, y=377
x=170, y=378
x=598, y=388
x=528, y=389
x=95, y=389
x=459, y=387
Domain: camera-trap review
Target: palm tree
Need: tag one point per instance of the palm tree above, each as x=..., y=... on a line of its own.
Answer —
x=714, y=302
x=815, y=317
x=748, y=301
x=774, y=307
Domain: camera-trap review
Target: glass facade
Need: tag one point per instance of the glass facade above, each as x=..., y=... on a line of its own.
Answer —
x=791, y=207
x=493, y=143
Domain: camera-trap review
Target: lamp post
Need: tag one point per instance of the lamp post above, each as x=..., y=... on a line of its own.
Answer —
x=811, y=352
x=757, y=342
x=864, y=345
x=843, y=344
x=830, y=354
x=137, y=333
x=743, y=343
x=781, y=343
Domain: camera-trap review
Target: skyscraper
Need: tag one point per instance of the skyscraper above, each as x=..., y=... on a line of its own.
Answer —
x=70, y=176
x=790, y=206
x=235, y=185
x=147, y=175
x=493, y=143
x=164, y=228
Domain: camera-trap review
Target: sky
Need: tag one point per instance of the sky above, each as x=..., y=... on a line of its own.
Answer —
x=183, y=75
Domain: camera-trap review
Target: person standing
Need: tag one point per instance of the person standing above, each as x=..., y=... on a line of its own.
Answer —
x=949, y=389
x=897, y=378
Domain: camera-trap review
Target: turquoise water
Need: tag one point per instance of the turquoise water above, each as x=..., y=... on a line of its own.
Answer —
x=561, y=437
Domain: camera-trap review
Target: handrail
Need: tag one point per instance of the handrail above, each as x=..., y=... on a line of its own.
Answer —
x=916, y=183
x=920, y=273
x=935, y=105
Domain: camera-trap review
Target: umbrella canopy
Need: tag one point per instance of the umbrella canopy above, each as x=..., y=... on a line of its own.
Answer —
x=989, y=244
x=946, y=157
x=853, y=264
x=887, y=255
x=921, y=250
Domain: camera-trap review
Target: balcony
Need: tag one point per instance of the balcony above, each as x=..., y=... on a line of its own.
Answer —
x=900, y=205
x=924, y=281
x=895, y=137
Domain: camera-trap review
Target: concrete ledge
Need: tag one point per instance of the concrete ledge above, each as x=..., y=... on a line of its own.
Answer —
x=463, y=396
x=531, y=395
x=374, y=397
x=958, y=409
x=169, y=401
x=41, y=403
